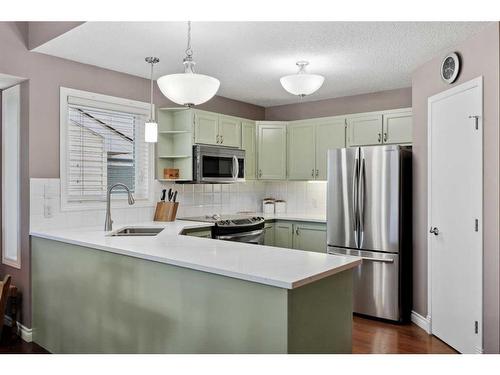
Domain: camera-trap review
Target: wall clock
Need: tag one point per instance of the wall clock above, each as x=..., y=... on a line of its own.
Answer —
x=450, y=67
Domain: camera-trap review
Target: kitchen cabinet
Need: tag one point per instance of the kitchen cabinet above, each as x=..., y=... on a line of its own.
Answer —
x=283, y=233
x=309, y=237
x=308, y=143
x=248, y=143
x=397, y=127
x=301, y=150
x=269, y=234
x=271, y=150
x=214, y=129
x=364, y=130
x=330, y=133
x=206, y=127
x=229, y=131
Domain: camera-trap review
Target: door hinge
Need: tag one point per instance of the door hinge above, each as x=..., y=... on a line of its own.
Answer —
x=477, y=225
x=476, y=327
x=476, y=121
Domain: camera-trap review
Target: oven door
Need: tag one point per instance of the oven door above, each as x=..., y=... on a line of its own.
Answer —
x=254, y=237
x=220, y=165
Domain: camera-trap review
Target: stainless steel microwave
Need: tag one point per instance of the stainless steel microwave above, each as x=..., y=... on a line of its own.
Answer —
x=216, y=164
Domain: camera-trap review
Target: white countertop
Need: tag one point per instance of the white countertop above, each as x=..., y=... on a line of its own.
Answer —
x=283, y=268
x=316, y=218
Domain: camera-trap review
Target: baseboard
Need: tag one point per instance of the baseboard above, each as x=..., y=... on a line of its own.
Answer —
x=25, y=333
x=420, y=321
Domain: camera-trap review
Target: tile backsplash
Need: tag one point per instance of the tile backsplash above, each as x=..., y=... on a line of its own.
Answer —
x=194, y=199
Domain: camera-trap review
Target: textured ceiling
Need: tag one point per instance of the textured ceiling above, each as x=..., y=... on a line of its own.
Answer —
x=250, y=57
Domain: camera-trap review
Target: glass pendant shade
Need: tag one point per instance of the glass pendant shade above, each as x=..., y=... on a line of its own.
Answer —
x=151, y=132
x=302, y=83
x=188, y=88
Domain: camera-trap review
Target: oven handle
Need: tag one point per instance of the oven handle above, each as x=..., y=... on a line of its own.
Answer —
x=241, y=234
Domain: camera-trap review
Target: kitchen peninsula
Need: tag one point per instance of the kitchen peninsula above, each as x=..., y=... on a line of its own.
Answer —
x=169, y=293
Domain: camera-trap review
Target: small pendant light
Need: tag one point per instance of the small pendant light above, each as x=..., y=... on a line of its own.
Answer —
x=151, y=127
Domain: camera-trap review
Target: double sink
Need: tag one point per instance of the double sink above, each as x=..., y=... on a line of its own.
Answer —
x=137, y=231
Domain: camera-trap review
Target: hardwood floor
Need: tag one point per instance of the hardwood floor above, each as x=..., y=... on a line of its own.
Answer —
x=375, y=337
x=368, y=337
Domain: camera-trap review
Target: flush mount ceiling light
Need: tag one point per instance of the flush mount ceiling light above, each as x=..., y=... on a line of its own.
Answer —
x=188, y=88
x=151, y=127
x=302, y=83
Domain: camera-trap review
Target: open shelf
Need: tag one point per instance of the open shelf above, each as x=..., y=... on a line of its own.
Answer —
x=174, y=156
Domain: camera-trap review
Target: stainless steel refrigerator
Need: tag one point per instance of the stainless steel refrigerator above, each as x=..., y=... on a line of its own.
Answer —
x=369, y=215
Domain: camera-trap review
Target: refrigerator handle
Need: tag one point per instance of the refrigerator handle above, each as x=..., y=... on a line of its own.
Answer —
x=355, y=183
x=361, y=197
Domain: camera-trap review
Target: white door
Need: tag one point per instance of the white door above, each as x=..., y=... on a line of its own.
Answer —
x=455, y=172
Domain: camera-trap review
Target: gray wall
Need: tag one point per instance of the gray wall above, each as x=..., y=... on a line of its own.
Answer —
x=480, y=56
x=377, y=101
x=40, y=117
x=41, y=32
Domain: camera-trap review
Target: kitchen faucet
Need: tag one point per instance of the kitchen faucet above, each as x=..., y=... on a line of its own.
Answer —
x=108, y=225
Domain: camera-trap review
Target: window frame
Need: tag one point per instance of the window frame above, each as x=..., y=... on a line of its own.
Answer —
x=112, y=101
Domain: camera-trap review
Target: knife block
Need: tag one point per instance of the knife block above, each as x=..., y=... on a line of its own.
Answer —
x=166, y=211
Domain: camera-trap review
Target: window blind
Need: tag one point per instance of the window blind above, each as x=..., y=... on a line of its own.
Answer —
x=105, y=146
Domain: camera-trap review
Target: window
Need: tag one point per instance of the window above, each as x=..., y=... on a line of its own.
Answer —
x=102, y=143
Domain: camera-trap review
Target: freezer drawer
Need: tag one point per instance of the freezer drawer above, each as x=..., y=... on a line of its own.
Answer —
x=376, y=283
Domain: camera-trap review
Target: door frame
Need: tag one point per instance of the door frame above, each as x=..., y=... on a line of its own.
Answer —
x=475, y=82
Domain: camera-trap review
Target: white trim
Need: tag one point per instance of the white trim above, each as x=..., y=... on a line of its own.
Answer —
x=113, y=101
x=25, y=333
x=437, y=97
x=420, y=321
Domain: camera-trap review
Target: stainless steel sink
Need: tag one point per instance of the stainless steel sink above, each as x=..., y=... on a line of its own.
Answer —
x=137, y=231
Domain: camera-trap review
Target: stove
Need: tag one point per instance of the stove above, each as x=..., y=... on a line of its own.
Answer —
x=239, y=228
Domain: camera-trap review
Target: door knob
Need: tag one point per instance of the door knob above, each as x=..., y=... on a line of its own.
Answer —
x=434, y=231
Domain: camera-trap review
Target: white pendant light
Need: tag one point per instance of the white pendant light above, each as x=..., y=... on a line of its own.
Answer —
x=151, y=127
x=302, y=83
x=188, y=88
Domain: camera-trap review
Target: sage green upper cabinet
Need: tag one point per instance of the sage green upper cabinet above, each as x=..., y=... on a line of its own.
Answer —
x=309, y=237
x=283, y=234
x=301, y=150
x=229, y=131
x=206, y=125
x=364, y=130
x=248, y=144
x=271, y=150
x=330, y=133
x=398, y=127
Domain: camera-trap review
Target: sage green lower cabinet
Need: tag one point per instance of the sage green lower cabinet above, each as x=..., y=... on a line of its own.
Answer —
x=283, y=233
x=309, y=237
x=91, y=301
x=248, y=143
x=269, y=234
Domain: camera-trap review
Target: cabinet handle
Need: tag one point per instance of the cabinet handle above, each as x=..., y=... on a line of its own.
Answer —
x=217, y=138
x=297, y=231
x=221, y=139
x=317, y=173
x=385, y=137
x=260, y=173
x=379, y=137
x=312, y=173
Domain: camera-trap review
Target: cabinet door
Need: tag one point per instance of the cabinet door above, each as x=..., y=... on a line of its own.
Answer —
x=283, y=234
x=398, y=127
x=309, y=237
x=248, y=144
x=271, y=151
x=301, y=151
x=229, y=131
x=269, y=234
x=329, y=134
x=206, y=127
x=364, y=130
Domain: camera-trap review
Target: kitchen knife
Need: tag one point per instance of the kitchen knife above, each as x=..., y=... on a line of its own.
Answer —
x=175, y=196
x=163, y=194
x=170, y=194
